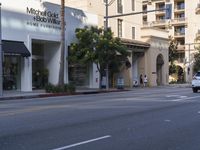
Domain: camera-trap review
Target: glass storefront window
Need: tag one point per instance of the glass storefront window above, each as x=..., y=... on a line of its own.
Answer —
x=79, y=74
x=11, y=72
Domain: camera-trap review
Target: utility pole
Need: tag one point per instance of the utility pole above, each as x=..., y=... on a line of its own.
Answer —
x=1, y=56
x=62, y=53
x=106, y=28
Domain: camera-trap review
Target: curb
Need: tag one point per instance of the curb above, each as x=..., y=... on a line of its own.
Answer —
x=58, y=94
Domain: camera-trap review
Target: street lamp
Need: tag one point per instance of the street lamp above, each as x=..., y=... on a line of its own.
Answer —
x=106, y=28
x=1, y=70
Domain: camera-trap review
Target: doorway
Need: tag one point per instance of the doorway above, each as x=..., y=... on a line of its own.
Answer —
x=39, y=77
x=159, y=69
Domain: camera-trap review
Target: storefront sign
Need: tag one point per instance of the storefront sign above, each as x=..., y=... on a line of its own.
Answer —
x=46, y=19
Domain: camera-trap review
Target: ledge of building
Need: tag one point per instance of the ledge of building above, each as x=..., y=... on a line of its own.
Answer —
x=154, y=32
x=135, y=43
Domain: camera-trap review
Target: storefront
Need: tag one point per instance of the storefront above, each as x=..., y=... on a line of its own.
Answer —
x=31, y=43
x=13, y=53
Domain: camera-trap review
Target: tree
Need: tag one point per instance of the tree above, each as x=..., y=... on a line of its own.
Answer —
x=98, y=46
x=196, y=66
x=173, y=55
x=62, y=54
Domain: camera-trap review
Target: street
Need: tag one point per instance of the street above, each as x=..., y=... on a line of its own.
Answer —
x=161, y=118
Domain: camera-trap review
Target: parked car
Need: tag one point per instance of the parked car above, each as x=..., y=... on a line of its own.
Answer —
x=196, y=82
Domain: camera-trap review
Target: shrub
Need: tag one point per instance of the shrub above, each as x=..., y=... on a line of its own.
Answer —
x=67, y=88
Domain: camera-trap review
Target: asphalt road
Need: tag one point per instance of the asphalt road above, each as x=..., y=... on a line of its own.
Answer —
x=163, y=118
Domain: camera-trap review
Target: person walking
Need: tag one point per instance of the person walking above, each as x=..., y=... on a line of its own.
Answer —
x=145, y=80
x=141, y=80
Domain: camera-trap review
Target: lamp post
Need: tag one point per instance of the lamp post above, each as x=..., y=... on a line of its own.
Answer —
x=106, y=28
x=106, y=17
x=1, y=70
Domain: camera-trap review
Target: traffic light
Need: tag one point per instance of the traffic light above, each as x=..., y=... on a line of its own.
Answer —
x=168, y=11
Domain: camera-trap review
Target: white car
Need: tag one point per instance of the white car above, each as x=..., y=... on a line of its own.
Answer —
x=196, y=82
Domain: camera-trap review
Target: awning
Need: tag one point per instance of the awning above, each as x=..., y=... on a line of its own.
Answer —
x=15, y=47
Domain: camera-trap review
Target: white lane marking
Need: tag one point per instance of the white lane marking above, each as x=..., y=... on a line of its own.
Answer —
x=178, y=96
x=183, y=96
x=198, y=112
x=187, y=98
x=167, y=120
x=172, y=95
x=84, y=142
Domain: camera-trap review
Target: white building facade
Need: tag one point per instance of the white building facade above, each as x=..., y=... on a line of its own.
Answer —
x=31, y=43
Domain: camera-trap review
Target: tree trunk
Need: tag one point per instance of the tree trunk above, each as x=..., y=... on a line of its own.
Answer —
x=107, y=77
x=62, y=55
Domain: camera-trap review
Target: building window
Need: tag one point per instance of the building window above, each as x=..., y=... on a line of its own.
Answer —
x=180, y=5
x=119, y=27
x=179, y=30
x=133, y=5
x=133, y=32
x=119, y=6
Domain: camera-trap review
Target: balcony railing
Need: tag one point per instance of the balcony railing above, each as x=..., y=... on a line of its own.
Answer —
x=180, y=20
x=155, y=23
x=160, y=10
x=198, y=9
x=179, y=34
x=179, y=7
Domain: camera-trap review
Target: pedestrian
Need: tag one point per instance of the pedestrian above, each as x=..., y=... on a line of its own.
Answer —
x=145, y=80
x=141, y=80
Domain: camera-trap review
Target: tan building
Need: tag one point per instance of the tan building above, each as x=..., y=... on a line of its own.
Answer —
x=149, y=46
x=184, y=27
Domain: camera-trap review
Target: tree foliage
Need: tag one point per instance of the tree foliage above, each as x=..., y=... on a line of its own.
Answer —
x=98, y=46
x=196, y=66
x=173, y=54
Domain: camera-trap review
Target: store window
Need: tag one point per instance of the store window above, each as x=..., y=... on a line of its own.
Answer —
x=119, y=28
x=79, y=74
x=11, y=72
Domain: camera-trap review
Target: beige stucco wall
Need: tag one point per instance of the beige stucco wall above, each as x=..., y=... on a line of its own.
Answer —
x=192, y=25
x=98, y=7
x=159, y=45
x=191, y=31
